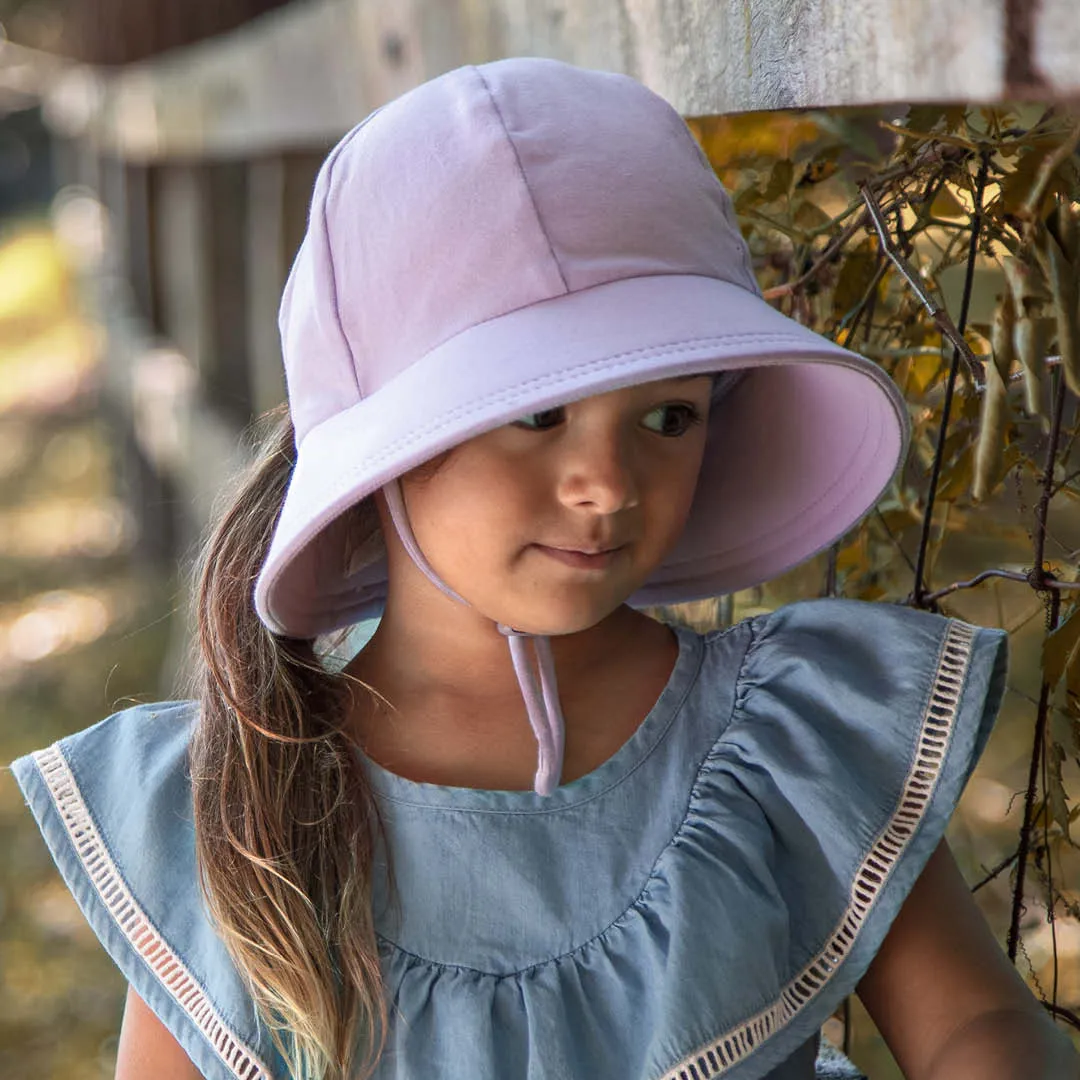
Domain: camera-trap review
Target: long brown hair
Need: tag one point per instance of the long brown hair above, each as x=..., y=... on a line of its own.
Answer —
x=285, y=822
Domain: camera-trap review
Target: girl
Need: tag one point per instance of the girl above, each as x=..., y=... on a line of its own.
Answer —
x=528, y=831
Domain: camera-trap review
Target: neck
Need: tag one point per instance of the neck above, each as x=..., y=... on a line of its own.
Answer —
x=460, y=655
x=458, y=716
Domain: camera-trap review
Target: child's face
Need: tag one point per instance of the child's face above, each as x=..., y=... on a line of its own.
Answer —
x=617, y=470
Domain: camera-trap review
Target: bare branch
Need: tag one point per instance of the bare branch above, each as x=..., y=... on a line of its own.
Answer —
x=954, y=362
x=936, y=311
x=1000, y=868
x=1038, y=748
x=1048, y=582
x=1065, y=1014
x=826, y=257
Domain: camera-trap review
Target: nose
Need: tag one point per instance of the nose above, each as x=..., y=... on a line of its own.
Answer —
x=598, y=471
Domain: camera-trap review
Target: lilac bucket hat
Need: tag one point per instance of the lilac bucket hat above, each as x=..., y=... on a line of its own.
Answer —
x=513, y=236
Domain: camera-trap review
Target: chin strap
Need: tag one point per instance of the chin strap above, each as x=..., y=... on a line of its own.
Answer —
x=545, y=715
x=541, y=702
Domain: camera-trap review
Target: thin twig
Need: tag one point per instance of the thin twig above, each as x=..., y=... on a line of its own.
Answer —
x=1010, y=575
x=1050, y=871
x=935, y=137
x=877, y=182
x=830, y=571
x=940, y=316
x=1065, y=1014
x=954, y=366
x=1041, y=578
x=1064, y=483
x=892, y=536
x=1000, y=868
x=826, y=257
x=1029, y=804
x=851, y=319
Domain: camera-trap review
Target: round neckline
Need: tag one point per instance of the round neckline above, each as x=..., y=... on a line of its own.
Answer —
x=395, y=788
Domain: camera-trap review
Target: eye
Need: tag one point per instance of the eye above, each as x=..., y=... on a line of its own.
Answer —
x=542, y=421
x=675, y=419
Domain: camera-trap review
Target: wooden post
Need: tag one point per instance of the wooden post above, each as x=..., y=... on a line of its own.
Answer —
x=265, y=272
x=180, y=259
x=225, y=364
x=279, y=193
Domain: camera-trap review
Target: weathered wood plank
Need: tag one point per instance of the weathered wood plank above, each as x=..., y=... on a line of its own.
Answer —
x=304, y=74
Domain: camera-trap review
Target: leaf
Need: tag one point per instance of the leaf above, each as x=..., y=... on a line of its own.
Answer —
x=746, y=198
x=1065, y=728
x=855, y=274
x=947, y=205
x=957, y=478
x=1058, y=646
x=1055, y=788
x=1072, y=702
x=852, y=558
x=993, y=424
x=810, y=216
x=780, y=179
x=821, y=167
x=1017, y=185
x=925, y=117
x=923, y=371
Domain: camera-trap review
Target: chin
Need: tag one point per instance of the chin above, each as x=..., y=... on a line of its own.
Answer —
x=558, y=621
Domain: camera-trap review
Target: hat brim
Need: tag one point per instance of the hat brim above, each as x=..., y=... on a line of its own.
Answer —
x=800, y=450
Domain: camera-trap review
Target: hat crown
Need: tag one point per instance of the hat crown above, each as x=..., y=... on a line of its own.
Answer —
x=487, y=190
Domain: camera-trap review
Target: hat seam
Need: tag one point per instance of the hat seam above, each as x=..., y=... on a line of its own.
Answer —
x=524, y=179
x=334, y=306
x=624, y=359
x=727, y=208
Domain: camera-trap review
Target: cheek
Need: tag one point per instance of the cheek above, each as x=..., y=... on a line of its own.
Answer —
x=674, y=487
x=467, y=514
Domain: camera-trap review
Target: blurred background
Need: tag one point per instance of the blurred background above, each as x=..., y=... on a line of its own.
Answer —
x=156, y=162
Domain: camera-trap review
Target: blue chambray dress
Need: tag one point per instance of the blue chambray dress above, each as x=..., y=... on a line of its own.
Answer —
x=696, y=907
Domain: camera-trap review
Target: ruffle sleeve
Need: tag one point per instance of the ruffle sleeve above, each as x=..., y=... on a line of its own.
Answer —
x=855, y=729
x=113, y=803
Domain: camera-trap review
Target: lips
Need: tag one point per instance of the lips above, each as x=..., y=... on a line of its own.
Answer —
x=583, y=549
x=597, y=559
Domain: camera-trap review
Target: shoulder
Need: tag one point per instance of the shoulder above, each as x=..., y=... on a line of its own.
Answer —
x=885, y=653
x=134, y=758
x=146, y=730
x=113, y=803
x=840, y=623
x=857, y=695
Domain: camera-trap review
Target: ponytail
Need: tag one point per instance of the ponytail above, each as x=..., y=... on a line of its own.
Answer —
x=285, y=821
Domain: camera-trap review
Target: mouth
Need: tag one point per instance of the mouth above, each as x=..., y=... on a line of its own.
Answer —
x=596, y=559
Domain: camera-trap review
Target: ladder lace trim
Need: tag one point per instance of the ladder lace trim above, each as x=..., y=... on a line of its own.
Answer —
x=721, y=1054
x=132, y=920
